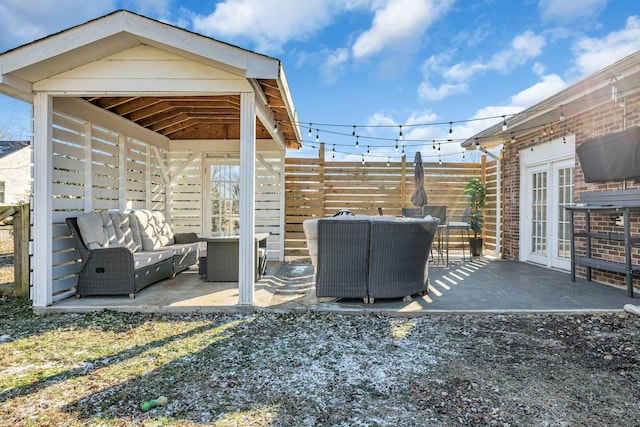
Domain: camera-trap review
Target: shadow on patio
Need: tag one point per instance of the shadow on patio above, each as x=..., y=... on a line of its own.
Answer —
x=482, y=285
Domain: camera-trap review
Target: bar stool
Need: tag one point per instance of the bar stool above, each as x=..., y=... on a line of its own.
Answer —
x=463, y=227
x=439, y=212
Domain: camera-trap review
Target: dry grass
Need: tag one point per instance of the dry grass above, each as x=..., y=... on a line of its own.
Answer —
x=317, y=369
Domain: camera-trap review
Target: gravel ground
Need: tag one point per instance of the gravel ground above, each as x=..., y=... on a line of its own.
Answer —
x=318, y=369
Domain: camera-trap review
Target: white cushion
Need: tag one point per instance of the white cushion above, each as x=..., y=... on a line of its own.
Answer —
x=310, y=227
x=155, y=233
x=127, y=233
x=146, y=258
x=97, y=230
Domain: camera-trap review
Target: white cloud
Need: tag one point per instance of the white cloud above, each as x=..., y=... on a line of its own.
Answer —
x=334, y=61
x=523, y=47
x=268, y=24
x=432, y=93
x=22, y=21
x=548, y=86
x=380, y=119
x=539, y=68
x=570, y=11
x=455, y=78
x=398, y=23
x=593, y=54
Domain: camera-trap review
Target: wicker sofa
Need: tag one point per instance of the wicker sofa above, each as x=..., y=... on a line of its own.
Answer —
x=122, y=253
x=370, y=257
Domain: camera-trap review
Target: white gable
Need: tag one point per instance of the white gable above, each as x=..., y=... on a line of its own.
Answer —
x=144, y=69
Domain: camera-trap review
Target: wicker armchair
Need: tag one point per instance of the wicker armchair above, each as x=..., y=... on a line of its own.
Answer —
x=399, y=258
x=369, y=258
x=343, y=258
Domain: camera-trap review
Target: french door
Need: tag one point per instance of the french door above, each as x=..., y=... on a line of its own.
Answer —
x=222, y=197
x=547, y=186
x=544, y=221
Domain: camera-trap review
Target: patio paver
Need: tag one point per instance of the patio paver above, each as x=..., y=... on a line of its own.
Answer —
x=480, y=286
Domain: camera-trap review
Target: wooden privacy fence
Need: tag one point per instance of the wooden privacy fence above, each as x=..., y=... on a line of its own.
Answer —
x=315, y=188
x=16, y=252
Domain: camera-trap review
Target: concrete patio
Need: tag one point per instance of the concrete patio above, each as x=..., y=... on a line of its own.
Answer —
x=480, y=286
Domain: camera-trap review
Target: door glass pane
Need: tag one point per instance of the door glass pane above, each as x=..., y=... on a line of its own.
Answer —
x=225, y=199
x=565, y=197
x=539, y=213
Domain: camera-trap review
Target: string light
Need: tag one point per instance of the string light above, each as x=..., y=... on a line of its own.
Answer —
x=439, y=146
x=403, y=149
x=317, y=135
x=561, y=114
x=396, y=145
x=388, y=161
x=310, y=124
x=368, y=151
x=513, y=137
x=363, y=159
x=504, y=123
x=450, y=127
x=354, y=131
x=357, y=141
x=463, y=151
x=400, y=133
x=333, y=154
x=440, y=160
x=434, y=144
x=275, y=127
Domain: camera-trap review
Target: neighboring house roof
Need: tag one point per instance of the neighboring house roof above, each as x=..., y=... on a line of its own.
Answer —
x=586, y=94
x=29, y=67
x=8, y=147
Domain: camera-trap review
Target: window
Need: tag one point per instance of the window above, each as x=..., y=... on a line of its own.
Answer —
x=225, y=199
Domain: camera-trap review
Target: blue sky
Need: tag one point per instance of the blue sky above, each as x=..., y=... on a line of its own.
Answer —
x=381, y=64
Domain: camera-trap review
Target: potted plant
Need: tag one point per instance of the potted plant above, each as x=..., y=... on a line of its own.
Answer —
x=476, y=193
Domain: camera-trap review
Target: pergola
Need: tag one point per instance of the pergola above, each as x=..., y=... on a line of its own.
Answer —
x=126, y=111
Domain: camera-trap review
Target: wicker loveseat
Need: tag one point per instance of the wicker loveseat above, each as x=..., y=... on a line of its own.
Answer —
x=370, y=257
x=124, y=252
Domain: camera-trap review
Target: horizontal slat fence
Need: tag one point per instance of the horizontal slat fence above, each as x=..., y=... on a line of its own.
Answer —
x=315, y=188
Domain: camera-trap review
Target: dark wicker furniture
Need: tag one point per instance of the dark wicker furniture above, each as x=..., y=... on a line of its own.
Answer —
x=121, y=271
x=368, y=258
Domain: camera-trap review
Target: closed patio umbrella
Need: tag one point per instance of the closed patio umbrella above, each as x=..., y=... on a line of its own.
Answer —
x=419, y=197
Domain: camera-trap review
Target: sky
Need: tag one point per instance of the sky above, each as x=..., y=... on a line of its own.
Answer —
x=438, y=70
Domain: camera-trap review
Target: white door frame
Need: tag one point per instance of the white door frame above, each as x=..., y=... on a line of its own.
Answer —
x=544, y=157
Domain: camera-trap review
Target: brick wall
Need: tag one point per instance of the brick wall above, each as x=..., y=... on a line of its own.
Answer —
x=601, y=120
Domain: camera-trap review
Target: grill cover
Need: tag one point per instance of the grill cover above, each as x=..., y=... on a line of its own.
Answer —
x=612, y=157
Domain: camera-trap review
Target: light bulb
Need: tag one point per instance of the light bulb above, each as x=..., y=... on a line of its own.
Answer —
x=504, y=123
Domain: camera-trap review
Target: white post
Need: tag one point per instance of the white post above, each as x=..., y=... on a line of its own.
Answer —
x=42, y=209
x=283, y=207
x=88, y=170
x=247, y=264
x=122, y=173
